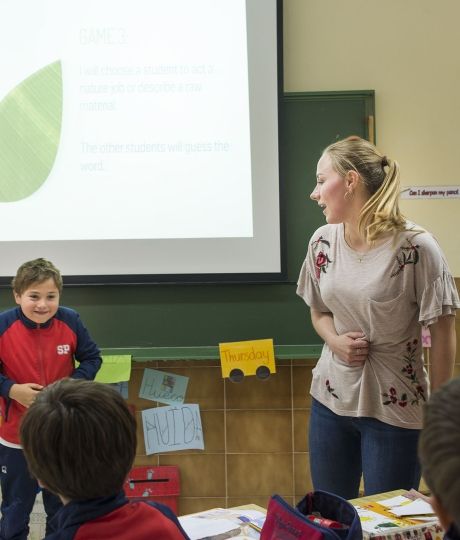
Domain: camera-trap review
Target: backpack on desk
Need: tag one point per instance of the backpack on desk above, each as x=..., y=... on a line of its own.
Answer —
x=288, y=523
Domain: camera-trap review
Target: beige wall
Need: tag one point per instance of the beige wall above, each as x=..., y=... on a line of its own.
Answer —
x=255, y=433
x=408, y=52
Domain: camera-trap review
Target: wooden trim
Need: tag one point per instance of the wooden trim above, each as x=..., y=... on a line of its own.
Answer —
x=143, y=354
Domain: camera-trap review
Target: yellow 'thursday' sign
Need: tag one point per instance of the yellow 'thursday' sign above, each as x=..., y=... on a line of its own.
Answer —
x=256, y=357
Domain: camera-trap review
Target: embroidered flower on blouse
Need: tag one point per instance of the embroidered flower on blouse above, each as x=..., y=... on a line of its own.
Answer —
x=322, y=259
x=331, y=390
x=418, y=392
x=408, y=255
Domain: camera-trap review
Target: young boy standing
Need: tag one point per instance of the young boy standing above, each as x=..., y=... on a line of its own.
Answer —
x=39, y=342
x=79, y=439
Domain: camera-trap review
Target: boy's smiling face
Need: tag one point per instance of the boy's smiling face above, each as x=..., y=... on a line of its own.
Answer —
x=40, y=301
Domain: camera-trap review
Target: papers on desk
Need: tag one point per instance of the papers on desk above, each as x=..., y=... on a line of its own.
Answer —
x=198, y=527
x=221, y=523
x=392, y=518
x=402, y=506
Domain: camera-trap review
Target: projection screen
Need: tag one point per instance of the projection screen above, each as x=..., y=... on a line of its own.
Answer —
x=139, y=141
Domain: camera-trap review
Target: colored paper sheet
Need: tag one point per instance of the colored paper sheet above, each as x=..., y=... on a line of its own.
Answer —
x=256, y=357
x=426, y=337
x=122, y=387
x=163, y=387
x=116, y=368
x=171, y=428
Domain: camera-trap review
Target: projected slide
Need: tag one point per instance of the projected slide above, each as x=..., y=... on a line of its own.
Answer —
x=157, y=132
x=138, y=122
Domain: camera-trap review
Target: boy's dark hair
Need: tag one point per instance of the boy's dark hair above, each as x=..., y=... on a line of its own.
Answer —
x=439, y=447
x=79, y=439
x=36, y=271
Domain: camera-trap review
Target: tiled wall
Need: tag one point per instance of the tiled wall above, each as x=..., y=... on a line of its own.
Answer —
x=255, y=434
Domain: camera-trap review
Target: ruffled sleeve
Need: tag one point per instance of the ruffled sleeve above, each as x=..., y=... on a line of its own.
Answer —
x=438, y=298
x=308, y=284
x=435, y=286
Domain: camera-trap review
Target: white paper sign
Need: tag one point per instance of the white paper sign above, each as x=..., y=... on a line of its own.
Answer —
x=167, y=429
x=431, y=192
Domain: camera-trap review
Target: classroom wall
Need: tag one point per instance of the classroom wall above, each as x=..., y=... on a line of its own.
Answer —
x=255, y=433
x=407, y=51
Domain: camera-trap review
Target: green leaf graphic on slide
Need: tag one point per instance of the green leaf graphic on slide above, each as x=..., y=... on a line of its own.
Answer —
x=30, y=128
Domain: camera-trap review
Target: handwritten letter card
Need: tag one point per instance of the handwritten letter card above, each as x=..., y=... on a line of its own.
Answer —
x=164, y=387
x=167, y=429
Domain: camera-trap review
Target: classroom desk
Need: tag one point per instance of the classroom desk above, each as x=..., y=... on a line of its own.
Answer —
x=379, y=496
x=248, y=534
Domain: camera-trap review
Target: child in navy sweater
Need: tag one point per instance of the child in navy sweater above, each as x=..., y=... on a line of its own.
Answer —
x=39, y=342
x=79, y=438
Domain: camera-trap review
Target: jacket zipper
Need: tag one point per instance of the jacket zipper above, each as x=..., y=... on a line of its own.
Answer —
x=7, y=408
x=40, y=357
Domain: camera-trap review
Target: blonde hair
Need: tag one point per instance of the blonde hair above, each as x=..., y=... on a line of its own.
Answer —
x=380, y=176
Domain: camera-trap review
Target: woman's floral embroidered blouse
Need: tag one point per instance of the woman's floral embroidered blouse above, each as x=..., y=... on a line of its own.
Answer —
x=387, y=294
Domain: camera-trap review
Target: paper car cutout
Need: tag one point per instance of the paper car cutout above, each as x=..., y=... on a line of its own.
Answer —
x=240, y=358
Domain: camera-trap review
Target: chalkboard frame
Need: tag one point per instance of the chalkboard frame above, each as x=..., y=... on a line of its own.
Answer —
x=187, y=321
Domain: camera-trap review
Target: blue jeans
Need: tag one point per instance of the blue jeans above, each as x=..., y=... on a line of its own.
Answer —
x=343, y=447
x=19, y=490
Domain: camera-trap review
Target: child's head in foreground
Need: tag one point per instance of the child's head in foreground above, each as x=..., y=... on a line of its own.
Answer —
x=79, y=439
x=439, y=451
x=37, y=287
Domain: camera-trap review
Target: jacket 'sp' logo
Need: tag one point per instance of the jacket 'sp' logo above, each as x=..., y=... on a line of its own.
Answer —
x=63, y=349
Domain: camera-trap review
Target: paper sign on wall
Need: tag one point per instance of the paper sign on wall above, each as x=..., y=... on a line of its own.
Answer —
x=164, y=387
x=167, y=429
x=121, y=387
x=256, y=357
x=431, y=192
x=426, y=337
x=114, y=368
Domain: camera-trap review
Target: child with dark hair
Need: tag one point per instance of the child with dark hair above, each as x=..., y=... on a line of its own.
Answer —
x=439, y=454
x=39, y=341
x=79, y=439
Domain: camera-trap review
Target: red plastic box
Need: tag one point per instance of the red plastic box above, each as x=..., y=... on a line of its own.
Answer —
x=160, y=484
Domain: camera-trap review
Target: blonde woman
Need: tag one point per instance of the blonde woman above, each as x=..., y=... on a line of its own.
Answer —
x=371, y=279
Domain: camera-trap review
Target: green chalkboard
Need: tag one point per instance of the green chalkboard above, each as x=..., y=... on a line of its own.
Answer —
x=202, y=315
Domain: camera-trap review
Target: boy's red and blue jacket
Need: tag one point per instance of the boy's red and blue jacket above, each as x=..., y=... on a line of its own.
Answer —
x=115, y=518
x=42, y=354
